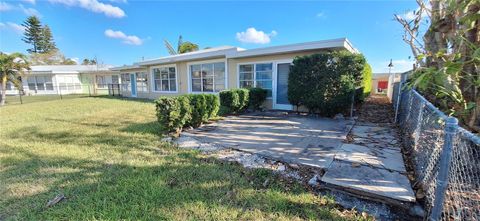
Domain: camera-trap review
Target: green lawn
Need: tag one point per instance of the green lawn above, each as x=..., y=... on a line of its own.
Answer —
x=104, y=155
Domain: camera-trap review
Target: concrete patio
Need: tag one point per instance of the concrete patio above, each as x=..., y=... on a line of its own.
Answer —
x=372, y=165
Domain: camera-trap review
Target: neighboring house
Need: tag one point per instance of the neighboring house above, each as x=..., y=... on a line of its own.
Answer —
x=383, y=83
x=216, y=69
x=66, y=79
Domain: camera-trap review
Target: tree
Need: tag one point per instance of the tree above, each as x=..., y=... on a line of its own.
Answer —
x=46, y=41
x=12, y=68
x=33, y=33
x=54, y=57
x=87, y=61
x=447, y=56
x=182, y=47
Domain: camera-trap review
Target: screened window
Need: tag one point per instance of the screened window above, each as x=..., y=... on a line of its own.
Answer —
x=207, y=77
x=115, y=79
x=141, y=81
x=165, y=79
x=256, y=75
x=101, y=83
x=41, y=83
x=125, y=80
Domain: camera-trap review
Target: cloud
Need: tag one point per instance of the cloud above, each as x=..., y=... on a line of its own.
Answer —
x=29, y=11
x=127, y=39
x=399, y=66
x=94, y=6
x=6, y=7
x=13, y=27
x=251, y=35
x=410, y=15
x=320, y=15
x=30, y=1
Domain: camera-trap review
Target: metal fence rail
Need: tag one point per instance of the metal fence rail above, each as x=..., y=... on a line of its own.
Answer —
x=445, y=159
x=34, y=93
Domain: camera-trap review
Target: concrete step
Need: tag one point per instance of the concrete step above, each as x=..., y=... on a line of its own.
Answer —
x=384, y=185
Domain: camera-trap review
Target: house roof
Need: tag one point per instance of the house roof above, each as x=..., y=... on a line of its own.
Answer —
x=68, y=69
x=305, y=46
x=200, y=54
x=236, y=52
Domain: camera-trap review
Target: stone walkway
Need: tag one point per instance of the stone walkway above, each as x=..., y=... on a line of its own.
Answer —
x=369, y=163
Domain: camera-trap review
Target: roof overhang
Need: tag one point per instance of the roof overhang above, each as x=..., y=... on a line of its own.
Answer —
x=203, y=54
x=340, y=43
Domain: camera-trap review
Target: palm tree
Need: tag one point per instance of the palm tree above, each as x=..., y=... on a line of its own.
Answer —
x=12, y=68
x=182, y=47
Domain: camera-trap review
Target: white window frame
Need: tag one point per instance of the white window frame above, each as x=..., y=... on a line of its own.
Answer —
x=128, y=85
x=102, y=86
x=274, y=74
x=189, y=64
x=152, y=84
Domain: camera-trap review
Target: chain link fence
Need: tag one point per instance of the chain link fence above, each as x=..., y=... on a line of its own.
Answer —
x=33, y=93
x=444, y=157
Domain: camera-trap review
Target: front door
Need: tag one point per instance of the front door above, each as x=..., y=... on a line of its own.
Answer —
x=281, y=98
x=133, y=82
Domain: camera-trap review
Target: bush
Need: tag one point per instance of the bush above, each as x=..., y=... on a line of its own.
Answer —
x=243, y=97
x=230, y=101
x=325, y=82
x=213, y=105
x=257, y=97
x=172, y=113
x=366, y=88
x=200, y=110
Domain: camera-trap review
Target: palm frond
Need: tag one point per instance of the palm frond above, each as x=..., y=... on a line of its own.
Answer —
x=169, y=47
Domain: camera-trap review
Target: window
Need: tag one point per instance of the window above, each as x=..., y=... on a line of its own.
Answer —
x=256, y=75
x=101, y=82
x=141, y=81
x=207, y=77
x=115, y=79
x=125, y=80
x=165, y=79
x=41, y=83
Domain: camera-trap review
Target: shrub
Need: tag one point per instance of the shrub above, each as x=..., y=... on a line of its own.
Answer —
x=213, y=105
x=230, y=101
x=257, y=97
x=200, y=111
x=172, y=113
x=243, y=96
x=366, y=86
x=325, y=82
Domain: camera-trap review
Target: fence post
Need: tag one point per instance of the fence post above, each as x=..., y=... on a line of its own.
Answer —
x=20, y=95
x=451, y=127
x=60, y=92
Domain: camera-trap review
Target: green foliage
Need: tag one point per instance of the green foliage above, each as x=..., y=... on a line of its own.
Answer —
x=39, y=37
x=182, y=47
x=172, y=112
x=229, y=101
x=243, y=98
x=234, y=100
x=367, y=81
x=257, y=97
x=325, y=82
x=33, y=33
x=213, y=105
x=12, y=67
x=200, y=111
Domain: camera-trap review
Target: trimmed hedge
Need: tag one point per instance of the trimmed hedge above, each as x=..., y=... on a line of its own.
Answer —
x=257, y=97
x=173, y=113
x=238, y=100
x=325, y=83
x=234, y=100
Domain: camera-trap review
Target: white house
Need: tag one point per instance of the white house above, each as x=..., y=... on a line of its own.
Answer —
x=66, y=79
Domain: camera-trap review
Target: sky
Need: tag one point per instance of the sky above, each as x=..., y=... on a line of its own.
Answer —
x=119, y=32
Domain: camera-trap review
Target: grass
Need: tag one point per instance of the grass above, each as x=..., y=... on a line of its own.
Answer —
x=106, y=157
x=15, y=99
